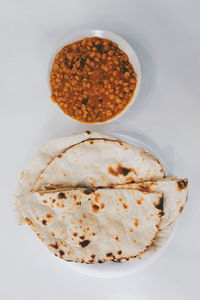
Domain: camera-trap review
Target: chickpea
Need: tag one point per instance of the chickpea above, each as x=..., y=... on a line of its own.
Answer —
x=92, y=54
x=56, y=67
x=110, y=52
x=52, y=82
x=126, y=89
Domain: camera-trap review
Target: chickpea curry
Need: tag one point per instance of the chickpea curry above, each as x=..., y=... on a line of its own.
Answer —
x=92, y=80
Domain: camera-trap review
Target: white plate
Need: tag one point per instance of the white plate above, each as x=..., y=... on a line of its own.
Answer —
x=123, y=44
x=112, y=269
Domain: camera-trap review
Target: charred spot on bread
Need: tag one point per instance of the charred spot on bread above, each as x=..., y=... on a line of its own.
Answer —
x=44, y=222
x=55, y=246
x=88, y=191
x=95, y=208
x=84, y=243
x=159, y=204
x=125, y=206
x=123, y=170
x=120, y=170
x=182, y=184
x=61, y=253
x=61, y=196
x=100, y=261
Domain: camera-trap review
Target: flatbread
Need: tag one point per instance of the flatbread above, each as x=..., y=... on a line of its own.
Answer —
x=91, y=226
x=47, y=153
x=44, y=156
x=175, y=193
x=91, y=159
x=99, y=162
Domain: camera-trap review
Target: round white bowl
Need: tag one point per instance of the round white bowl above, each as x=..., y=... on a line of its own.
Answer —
x=122, y=43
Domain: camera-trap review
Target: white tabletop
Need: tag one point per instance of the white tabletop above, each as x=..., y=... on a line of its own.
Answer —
x=166, y=37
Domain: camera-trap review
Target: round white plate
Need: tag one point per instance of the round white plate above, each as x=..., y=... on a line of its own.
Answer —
x=112, y=269
x=122, y=43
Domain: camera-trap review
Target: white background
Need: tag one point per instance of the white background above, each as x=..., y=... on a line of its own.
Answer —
x=166, y=36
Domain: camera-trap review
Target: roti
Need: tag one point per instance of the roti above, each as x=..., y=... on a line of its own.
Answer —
x=175, y=194
x=99, y=163
x=45, y=155
x=91, y=226
x=103, y=181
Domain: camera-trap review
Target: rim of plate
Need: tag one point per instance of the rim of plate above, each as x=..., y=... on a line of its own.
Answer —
x=122, y=43
x=117, y=270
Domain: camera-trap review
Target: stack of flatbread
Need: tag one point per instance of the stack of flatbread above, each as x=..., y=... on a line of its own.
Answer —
x=93, y=198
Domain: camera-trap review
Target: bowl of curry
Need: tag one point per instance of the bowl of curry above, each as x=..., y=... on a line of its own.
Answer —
x=94, y=76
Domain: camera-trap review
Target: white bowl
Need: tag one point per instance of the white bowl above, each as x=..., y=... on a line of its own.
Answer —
x=123, y=44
